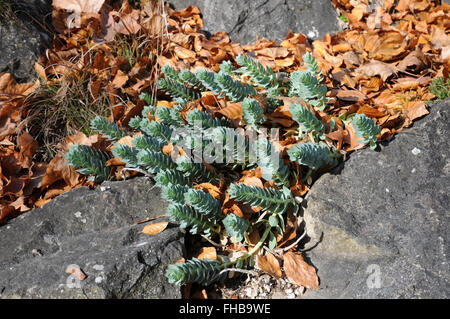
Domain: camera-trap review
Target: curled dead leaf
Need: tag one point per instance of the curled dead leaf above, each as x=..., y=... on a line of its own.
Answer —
x=374, y=68
x=183, y=53
x=352, y=139
x=87, y=6
x=207, y=253
x=416, y=61
x=213, y=190
x=252, y=181
x=298, y=271
x=154, y=229
x=274, y=52
x=269, y=264
x=119, y=80
x=415, y=110
x=350, y=95
x=385, y=46
x=233, y=111
x=28, y=147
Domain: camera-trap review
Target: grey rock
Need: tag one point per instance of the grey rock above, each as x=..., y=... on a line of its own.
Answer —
x=382, y=222
x=25, y=33
x=96, y=231
x=248, y=20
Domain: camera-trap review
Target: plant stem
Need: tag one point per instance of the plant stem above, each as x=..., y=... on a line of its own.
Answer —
x=254, y=249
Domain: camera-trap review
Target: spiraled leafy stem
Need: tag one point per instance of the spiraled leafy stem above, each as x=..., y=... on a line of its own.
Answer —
x=207, y=271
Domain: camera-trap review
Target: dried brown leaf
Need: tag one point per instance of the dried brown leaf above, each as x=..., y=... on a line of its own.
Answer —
x=416, y=61
x=375, y=68
x=79, y=6
x=269, y=264
x=233, y=111
x=298, y=271
x=28, y=147
x=207, y=253
x=119, y=80
x=155, y=229
x=415, y=110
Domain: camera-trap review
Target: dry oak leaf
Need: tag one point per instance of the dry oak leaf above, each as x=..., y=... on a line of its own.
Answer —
x=298, y=271
x=410, y=83
x=60, y=189
x=252, y=181
x=183, y=53
x=78, y=6
x=154, y=229
x=9, y=86
x=415, y=110
x=287, y=102
x=385, y=46
x=374, y=68
x=28, y=147
x=445, y=55
x=80, y=138
x=57, y=170
x=352, y=139
x=359, y=10
x=119, y=80
x=126, y=140
x=351, y=57
x=19, y=205
x=15, y=186
x=213, y=190
x=372, y=85
x=128, y=23
x=155, y=25
x=269, y=264
x=390, y=121
x=371, y=111
x=7, y=212
x=253, y=239
x=40, y=70
x=415, y=60
x=293, y=39
x=232, y=111
x=388, y=99
x=350, y=95
x=207, y=253
x=412, y=5
x=274, y=53
x=290, y=233
x=283, y=63
x=440, y=38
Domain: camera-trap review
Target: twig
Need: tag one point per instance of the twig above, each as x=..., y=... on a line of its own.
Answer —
x=211, y=242
x=295, y=243
x=244, y=271
x=273, y=251
x=150, y=219
x=262, y=215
